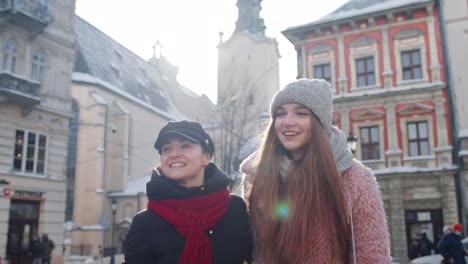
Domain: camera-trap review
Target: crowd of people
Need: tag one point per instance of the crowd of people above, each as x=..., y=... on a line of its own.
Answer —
x=450, y=245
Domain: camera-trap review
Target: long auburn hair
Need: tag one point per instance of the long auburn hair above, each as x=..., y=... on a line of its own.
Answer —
x=314, y=197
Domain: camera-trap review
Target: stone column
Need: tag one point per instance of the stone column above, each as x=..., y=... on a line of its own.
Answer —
x=5, y=212
x=393, y=152
x=397, y=224
x=443, y=151
x=342, y=80
x=304, y=61
x=387, y=69
x=435, y=66
x=448, y=198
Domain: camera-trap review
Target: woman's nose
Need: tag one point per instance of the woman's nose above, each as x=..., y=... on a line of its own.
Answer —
x=289, y=119
x=175, y=152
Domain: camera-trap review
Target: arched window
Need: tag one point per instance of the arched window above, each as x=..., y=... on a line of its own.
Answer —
x=9, y=55
x=37, y=66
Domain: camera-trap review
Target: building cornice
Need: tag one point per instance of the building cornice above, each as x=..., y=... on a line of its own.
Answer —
x=358, y=31
x=389, y=93
x=296, y=34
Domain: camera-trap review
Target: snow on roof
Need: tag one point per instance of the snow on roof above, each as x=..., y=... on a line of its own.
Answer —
x=463, y=133
x=90, y=79
x=125, y=220
x=134, y=187
x=91, y=227
x=393, y=170
x=355, y=8
x=381, y=92
x=99, y=56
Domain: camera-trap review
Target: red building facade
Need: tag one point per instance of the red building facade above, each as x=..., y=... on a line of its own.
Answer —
x=385, y=62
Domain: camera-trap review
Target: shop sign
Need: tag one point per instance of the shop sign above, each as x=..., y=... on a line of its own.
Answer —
x=424, y=216
x=5, y=191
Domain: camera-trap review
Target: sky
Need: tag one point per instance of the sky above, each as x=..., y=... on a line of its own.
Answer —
x=188, y=31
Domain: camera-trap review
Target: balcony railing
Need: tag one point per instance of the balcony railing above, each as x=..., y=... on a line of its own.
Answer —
x=18, y=89
x=31, y=13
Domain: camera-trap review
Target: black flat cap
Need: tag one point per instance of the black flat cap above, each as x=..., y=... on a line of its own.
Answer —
x=192, y=131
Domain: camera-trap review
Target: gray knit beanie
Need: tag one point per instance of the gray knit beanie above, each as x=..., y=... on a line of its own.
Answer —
x=315, y=94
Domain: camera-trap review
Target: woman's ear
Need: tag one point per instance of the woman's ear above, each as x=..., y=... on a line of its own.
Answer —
x=206, y=158
x=157, y=168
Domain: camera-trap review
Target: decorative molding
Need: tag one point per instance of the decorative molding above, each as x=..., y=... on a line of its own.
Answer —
x=367, y=114
x=408, y=33
x=415, y=108
x=319, y=48
x=362, y=41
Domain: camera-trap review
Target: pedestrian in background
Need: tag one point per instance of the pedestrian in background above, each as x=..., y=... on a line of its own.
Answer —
x=47, y=246
x=445, y=231
x=413, y=251
x=191, y=216
x=35, y=249
x=425, y=245
x=309, y=200
x=451, y=247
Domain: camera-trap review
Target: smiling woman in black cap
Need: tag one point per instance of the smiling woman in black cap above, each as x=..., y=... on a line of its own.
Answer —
x=191, y=217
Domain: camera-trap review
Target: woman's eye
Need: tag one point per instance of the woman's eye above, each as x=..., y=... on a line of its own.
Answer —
x=280, y=113
x=185, y=146
x=303, y=113
x=165, y=149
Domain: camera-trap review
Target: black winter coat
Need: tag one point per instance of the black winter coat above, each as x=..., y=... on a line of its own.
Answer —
x=153, y=240
x=451, y=247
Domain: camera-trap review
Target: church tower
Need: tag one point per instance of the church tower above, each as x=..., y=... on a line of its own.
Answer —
x=248, y=76
x=248, y=60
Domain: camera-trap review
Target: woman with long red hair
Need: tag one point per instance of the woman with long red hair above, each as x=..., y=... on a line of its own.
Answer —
x=309, y=200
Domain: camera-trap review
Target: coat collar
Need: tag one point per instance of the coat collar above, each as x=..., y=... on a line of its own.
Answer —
x=160, y=187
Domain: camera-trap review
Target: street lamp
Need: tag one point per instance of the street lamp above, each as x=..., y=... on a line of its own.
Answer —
x=114, y=209
x=351, y=141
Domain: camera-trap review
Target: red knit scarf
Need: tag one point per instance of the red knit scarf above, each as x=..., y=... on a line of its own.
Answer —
x=191, y=217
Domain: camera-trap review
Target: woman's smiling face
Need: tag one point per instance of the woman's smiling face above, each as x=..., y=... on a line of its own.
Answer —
x=184, y=161
x=293, y=127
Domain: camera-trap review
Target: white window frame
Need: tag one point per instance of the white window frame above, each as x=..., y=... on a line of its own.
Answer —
x=357, y=131
x=357, y=79
x=312, y=70
x=22, y=170
x=38, y=65
x=9, y=57
x=404, y=134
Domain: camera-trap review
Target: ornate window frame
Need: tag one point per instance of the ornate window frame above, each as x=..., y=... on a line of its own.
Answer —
x=357, y=131
x=318, y=55
x=362, y=47
x=10, y=55
x=407, y=40
x=404, y=139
